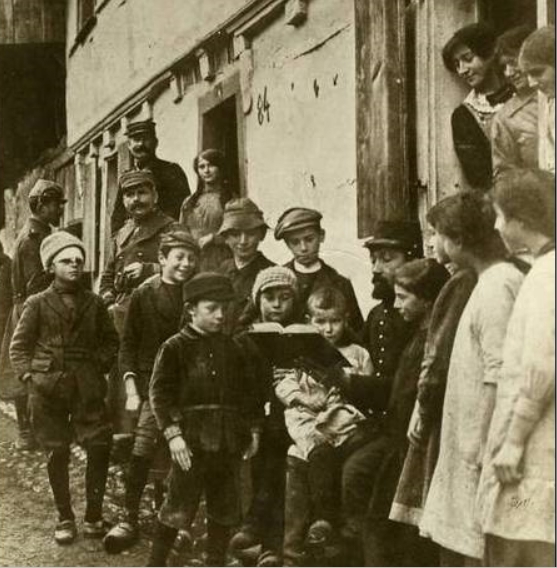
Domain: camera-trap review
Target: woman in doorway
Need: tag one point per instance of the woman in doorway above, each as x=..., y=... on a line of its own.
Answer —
x=202, y=212
x=470, y=54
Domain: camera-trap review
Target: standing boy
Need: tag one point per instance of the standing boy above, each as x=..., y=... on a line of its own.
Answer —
x=153, y=316
x=243, y=229
x=206, y=405
x=46, y=202
x=62, y=346
x=301, y=230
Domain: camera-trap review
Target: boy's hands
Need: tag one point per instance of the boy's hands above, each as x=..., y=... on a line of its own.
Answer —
x=253, y=448
x=180, y=452
x=507, y=463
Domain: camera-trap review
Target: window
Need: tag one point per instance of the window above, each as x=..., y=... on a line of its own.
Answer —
x=85, y=12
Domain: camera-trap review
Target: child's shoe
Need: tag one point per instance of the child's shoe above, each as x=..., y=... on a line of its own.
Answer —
x=96, y=529
x=246, y=537
x=120, y=537
x=65, y=532
x=319, y=534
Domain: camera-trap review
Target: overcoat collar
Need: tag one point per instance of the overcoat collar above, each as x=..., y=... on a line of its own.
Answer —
x=53, y=299
x=157, y=221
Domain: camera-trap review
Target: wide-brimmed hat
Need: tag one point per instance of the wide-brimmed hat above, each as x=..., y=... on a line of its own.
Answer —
x=241, y=214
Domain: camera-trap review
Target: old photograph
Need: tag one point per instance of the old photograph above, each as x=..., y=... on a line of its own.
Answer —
x=277, y=283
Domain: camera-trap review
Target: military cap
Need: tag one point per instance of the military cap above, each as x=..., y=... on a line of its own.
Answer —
x=47, y=189
x=296, y=218
x=131, y=178
x=140, y=127
x=241, y=214
x=178, y=238
x=209, y=286
x=401, y=235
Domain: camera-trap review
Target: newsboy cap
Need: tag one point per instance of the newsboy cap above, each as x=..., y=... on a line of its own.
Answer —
x=132, y=178
x=209, y=286
x=57, y=242
x=400, y=235
x=178, y=238
x=296, y=218
x=47, y=189
x=141, y=127
x=241, y=214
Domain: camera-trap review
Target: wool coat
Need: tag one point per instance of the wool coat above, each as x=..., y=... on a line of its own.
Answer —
x=152, y=317
x=327, y=276
x=52, y=340
x=28, y=277
x=172, y=188
x=242, y=281
x=420, y=461
x=200, y=383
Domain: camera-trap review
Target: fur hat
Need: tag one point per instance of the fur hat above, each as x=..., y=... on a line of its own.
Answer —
x=57, y=242
x=273, y=277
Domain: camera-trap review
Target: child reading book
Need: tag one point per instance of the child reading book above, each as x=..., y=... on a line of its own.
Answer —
x=323, y=426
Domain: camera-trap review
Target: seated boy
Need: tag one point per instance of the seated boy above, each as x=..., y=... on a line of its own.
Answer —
x=301, y=230
x=62, y=346
x=205, y=403
x=153, y=316
x=323, y=426
x=243, y=229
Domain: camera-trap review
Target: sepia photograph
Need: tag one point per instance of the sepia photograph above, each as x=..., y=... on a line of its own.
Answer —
x=277, y=283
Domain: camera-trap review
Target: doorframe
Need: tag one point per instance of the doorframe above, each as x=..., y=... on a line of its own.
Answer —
x=224, y=89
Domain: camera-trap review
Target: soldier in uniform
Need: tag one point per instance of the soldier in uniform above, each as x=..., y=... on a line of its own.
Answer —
x=132, y=259
x=172, y=183
x=46, y=202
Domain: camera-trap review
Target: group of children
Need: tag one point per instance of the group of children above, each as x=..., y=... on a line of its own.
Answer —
x=431, y=443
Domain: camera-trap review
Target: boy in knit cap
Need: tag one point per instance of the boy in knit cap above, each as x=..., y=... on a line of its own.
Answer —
x=63, y=344
x=275, y=297
x=154, y=315
x=301, y=230
x=243, y=229
x=205, y=403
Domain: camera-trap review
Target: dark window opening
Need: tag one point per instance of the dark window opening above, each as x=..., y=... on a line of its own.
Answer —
x=505, y=14
x=85, y=11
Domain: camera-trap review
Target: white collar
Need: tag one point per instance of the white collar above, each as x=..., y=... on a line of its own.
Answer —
x=316, y=267
x=199, y=330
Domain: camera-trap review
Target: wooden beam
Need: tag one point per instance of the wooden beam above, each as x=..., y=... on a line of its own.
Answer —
x=380, y=113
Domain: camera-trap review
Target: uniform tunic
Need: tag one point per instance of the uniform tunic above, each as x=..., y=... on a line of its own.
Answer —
x=450, y=516
x=525, y=510
x=327, y=276
x=28, y=277
x=242, y=281
x=172, y=188
x=66, y=344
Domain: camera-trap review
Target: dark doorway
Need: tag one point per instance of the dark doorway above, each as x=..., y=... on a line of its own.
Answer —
x=220, y=131
x=505, y=14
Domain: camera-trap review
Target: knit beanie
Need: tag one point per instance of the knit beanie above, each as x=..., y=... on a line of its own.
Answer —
x=273, y=277
x=57, y=242
x=423, y=277
x=539, y=48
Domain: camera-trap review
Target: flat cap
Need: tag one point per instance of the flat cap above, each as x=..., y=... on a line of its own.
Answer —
x=401, y=235
x=296, y=218
x=140, y=127
x=178, y=238
x=241, y=214
x=47, y=189
x=132, y=178
x=209, y=286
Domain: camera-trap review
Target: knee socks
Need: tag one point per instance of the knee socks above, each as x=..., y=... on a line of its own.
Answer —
x=59, y=478
x=95, y=481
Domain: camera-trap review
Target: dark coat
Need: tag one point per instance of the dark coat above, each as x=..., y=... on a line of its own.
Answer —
x=420, y=462
x=5, y=291
x=201, y=383
x=385, y=334
x=28, y=277
x=51, y=340
x=172, y=187
x=143, y=246
x=153, y=316
x=395, y=428
x=242, y=280
x=327, y=276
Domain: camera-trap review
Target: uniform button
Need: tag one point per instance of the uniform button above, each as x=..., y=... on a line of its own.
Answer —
x=213, y=373
x=381, y=336
x=210, y=355
x=381, y=322
x=382, y=349
x=139, y=254
x=378, y=374
x=380, y=361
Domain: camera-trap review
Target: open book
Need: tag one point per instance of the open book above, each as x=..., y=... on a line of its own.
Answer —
x=287, y=347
